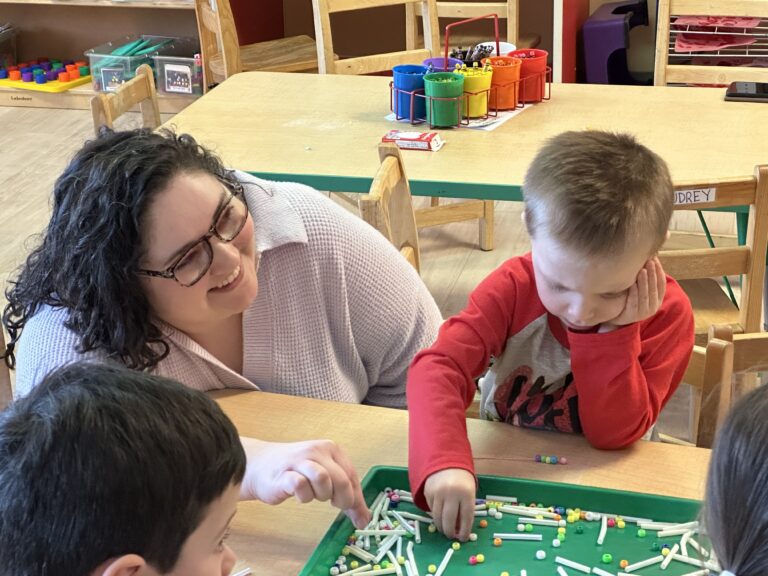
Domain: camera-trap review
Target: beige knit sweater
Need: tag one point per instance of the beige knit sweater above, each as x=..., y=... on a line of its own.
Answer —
x=339, y=314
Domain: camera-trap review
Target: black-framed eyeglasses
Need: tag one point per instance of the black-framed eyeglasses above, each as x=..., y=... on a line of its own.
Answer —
x=192, y=265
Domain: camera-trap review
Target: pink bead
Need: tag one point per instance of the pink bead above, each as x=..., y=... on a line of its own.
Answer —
x=611, y=522
x=473, y=560
x=563, y=460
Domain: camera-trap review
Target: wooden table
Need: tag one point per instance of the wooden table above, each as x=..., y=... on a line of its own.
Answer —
x=280, y=539
x=323, y=131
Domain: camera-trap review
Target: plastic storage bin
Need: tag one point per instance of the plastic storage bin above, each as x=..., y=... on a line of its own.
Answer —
x=115, y=62
x=179, y=68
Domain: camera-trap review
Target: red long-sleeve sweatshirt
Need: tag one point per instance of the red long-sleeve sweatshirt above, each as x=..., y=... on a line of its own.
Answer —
x=610, y=387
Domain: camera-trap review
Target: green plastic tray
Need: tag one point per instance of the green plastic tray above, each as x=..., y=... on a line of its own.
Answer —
x=513, y=556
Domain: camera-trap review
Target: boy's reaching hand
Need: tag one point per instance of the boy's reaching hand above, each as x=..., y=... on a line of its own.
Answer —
x=450, y=495
x=644, y=298
x=313, y=470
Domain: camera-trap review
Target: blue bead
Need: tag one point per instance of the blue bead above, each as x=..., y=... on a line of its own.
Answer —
x=553, y=460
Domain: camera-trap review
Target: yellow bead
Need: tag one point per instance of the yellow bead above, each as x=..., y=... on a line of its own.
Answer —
x=354, y=564
x=431, y=529
x=432, y=569
x=480, y=558
x=456, y=546
x=504, y=574
x=400, y=560
x=561, y=530
x=621, y=524
x=665, y=551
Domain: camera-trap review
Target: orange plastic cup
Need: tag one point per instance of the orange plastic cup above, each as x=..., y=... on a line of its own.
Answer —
x=505, y=85
x=63, y=76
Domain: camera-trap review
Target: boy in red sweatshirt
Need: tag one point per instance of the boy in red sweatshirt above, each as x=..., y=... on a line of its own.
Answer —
x=586, y=332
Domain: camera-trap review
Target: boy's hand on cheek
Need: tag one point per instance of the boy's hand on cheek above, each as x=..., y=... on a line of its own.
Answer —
x=312, y=470
x=450, y=494
x=644, y=298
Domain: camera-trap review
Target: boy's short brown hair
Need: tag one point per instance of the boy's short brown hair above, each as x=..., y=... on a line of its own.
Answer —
x=598, y=192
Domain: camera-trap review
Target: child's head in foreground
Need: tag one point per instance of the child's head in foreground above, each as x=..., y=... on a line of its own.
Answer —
x=736, y=516
x=597, y=209
x=109, y=471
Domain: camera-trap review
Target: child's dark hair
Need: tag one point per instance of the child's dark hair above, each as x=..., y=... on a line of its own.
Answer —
x=735, y=512
x=599, y=193
x=89, y=255
x=100, y=461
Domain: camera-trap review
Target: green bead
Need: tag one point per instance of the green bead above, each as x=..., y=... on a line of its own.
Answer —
x=655, y=547
x=607, y=559
x=641, y=533
x=385, y=564
x=529, y=528
x=579, y=529
x=561, y=537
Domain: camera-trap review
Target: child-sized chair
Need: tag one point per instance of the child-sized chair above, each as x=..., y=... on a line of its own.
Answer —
x=223, y=56
x=106, y=107
x=388, y=206
x=697, y=269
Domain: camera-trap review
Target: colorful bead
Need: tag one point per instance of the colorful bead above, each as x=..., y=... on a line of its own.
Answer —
x=641, y=533
x=555, y=543
x=611, y=522
x=498, y=515
x=553, y=460
x=540, y=555
x=606, y=558
x=354, y=564
x=505, y=573
x=432, y=569
x=480, y=558
x=655, y=547
x=334, y=571
x=483, y=523
x=579, y=529
x=472, y=560
x=665, y=552
x=401, y=560
x=385, y=564
x=456, y=546
x=623, y=563
x=620, y=523
x=563, y=460
x=561, y=537
x=497, y=541
x=561, y=530
x=431, y=529
x=521, y=527
x=529, y=527
x=473, y=537
x=537, y=457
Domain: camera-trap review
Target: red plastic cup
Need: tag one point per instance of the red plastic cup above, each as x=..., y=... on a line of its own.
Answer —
x=533, y=73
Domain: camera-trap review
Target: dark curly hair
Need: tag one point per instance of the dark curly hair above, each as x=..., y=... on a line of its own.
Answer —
x=90, y=250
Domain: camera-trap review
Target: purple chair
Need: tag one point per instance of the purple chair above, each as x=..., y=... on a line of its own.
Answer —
x=605, y=35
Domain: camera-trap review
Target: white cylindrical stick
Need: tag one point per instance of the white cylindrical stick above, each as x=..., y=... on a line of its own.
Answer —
x=371, y=532
x=494, y=498
x=603, y=529
x=561, y=571
x=481, y=512
x=411, y=559
x=684, y=543
x=363, y=568
x=480, y=507
x=525, y=511
x=672, y=532
x=540, y=522
x=444, y=563
x=697, y=573
x=571, y=564
x=601, y=572
x=394, y=562
x=644, y=563
x=523, y=572
x=703, y=551
x=514, y=536
x=360, y=553
x=412, y=516
x=655, y=525
x=399, y=548
x=406, y=499
x=696, y=562
x=670, y=556
x=417, y=531
x=385, y=545
x=403, y=522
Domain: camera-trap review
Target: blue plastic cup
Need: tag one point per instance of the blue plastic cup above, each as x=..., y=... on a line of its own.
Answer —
x=407, y=78
x=438, y=64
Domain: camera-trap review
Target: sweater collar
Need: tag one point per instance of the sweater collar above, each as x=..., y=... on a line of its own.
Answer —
x=276, y=221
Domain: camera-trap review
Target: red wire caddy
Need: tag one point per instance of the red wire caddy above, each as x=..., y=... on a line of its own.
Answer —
x=491, y=111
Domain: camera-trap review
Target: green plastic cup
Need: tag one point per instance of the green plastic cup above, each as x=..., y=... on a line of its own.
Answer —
x=444, y=85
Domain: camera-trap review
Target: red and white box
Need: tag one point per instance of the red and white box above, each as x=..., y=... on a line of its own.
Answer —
x=429, y=141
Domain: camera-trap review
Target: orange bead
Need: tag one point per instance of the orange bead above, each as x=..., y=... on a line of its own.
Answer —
x=558, y=517
x=483, y=523
x=623, y=563
x=497, y=541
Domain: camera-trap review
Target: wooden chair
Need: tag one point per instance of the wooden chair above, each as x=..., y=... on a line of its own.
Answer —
x=697, y=269
x=6, y=389
x=327, y=64
x=508, y=11
x=666, y=73
x=223, y=56
x=106, y=107
x=388, y=206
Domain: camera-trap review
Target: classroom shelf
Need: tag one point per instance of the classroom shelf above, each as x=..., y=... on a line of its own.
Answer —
x=78, y=99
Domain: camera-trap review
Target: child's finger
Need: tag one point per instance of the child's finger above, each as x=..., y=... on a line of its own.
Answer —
x=436, y=507
x=292, y=483
x=359, y=514
x=642, y=292
x=318, y=477
x=466, y=517
x=661, y=280
x=450, y=517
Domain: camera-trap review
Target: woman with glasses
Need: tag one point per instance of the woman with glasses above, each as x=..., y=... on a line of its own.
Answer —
x=158, y=258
